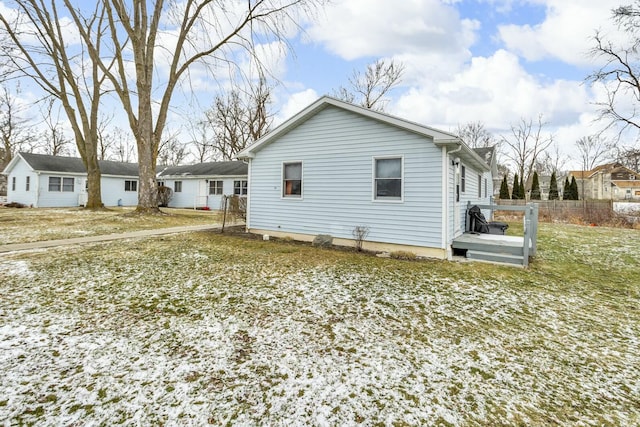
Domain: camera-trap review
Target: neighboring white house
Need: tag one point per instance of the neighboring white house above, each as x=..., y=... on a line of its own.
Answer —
x=335, y=166
x=204, y=184
x=40, y=180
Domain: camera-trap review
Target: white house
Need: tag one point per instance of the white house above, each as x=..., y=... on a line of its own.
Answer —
x=204, y=184
x=40, y=180
x=335, y=166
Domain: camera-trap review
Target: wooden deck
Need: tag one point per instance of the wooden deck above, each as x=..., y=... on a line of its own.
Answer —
x=499, y=248
x=491, y=248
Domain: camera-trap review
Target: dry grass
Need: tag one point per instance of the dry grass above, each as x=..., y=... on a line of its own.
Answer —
x=31, y=225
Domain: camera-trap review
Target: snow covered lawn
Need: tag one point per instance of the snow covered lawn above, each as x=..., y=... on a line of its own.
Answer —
x=203, y=329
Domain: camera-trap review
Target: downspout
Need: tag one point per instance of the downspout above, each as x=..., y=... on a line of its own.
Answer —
x=247, y=224
x=445, y=195
x=37, y=189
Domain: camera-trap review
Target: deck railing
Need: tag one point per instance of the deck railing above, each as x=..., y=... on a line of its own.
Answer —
x=530, y=223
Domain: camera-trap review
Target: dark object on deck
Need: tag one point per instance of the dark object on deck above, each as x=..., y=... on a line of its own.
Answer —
x=479, y=223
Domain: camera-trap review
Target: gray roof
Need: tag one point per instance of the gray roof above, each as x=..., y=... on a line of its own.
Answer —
x=47, y=163
x=235, y=168
x=486, y=153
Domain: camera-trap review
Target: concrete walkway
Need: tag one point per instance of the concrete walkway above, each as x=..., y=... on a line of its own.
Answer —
x=14, y=247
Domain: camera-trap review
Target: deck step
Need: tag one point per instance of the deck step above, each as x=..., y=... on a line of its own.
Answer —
x=495, y=257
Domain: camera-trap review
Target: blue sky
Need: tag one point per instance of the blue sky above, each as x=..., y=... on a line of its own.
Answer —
x=494, y=61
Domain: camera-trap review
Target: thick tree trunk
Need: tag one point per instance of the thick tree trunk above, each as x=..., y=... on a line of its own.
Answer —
x=148, y=188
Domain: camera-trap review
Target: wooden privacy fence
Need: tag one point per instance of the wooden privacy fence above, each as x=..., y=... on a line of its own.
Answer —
x=589, y=210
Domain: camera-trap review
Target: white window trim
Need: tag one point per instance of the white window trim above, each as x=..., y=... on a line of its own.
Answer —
x=241, y=181
x=290, y=162
x=125, y=186
x=215, y=187
x=373, y=179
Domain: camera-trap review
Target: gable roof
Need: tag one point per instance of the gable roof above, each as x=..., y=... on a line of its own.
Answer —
x=234, y=168
x=74, y=165
x=486, y=153
x=440, y=138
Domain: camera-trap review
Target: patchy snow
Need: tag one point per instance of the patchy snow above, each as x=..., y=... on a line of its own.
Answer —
x=130, y=334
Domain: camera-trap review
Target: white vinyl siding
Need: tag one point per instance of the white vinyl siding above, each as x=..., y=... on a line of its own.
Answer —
x=337, y=148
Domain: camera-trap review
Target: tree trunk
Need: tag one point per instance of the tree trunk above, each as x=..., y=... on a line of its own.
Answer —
x=148, y=188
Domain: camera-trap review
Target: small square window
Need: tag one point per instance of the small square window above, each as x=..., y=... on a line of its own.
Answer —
x=215, y=188
x=55, y=183
x=130, y=185
x=68, y=184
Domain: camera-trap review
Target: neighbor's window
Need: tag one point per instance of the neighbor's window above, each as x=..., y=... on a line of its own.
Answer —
x=67, y=184
x=177, y=186
x=388, y=178
x=13, y=184
x=215, y=187
x=130, y=185
x=292, y=179
x=55, y=183
x=463, y=178
x=486, y=188
x=27, y=186
x=479, y=186
x=240, y=187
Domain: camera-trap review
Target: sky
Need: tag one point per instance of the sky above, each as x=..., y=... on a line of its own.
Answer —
x=491, y=61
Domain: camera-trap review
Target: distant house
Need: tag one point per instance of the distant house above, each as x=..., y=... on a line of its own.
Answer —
x=52, y=181
x=610, y=181
x=336, y=166
x=490, y=156
x=204, y=184
x=40, y=180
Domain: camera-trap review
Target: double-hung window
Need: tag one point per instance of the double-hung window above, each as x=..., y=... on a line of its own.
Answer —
x=292, y=179
x=27, y=186
x=463, y=179
x=387, y=172
x=68, y=184
x=13, y=184
x=130, y=185
x=177, y=186
x=479, y=186
x=240, y=187
x=215, y=187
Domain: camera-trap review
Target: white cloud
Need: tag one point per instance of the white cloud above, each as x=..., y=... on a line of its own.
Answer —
x=373, y=28
x=295, y=103
x=564, y=34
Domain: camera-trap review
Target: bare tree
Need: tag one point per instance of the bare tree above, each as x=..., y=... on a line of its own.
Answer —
x=121, y=145
x=593, y=149
x=620, y=74
x=239, y=118
x=209, y=33
x=475, y=135
x=628, y=157
x=40, y=48
x=15, y=130
x=54, y=141
x=172, y=152
x=369, y=89
x=551, y=160
x=525, y=145
x=201, y=134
